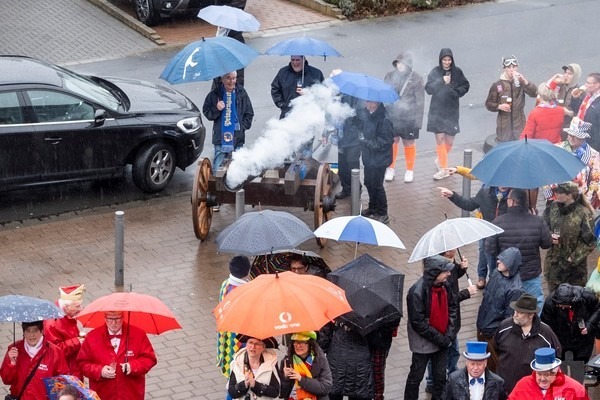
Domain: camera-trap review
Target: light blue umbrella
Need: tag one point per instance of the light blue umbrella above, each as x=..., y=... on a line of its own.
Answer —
x=15, y=308
x=230, y=18
x=303, y=46
x=207, y=59
x=365, y=87
x=527, y=164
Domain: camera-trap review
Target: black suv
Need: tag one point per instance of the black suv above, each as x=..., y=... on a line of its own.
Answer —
x=150, y=12
x=59, y=126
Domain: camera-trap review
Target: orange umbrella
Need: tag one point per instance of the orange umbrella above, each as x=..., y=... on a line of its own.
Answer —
x=274, y=304
x=145, y=312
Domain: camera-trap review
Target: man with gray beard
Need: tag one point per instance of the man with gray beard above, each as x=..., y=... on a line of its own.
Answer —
x=517, y=339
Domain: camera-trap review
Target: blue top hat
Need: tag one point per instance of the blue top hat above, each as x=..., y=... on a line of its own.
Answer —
x=476, y=351
x=545, y=359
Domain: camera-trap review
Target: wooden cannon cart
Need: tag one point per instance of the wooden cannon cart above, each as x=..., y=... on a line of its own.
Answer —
x=302, y=183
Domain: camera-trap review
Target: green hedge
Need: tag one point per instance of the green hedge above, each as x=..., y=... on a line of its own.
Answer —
x=357, y=9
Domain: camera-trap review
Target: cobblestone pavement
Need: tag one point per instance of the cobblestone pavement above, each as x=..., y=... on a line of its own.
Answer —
x=163, y=258
x=76, y=31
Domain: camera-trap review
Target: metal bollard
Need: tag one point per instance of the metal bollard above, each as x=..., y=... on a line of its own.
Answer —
x=119, y=248
x=240, y=203
x=466, y=184
x=355, y=191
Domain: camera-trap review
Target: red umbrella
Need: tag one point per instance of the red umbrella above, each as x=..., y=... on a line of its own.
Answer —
x=145, y=312
x=274, y=304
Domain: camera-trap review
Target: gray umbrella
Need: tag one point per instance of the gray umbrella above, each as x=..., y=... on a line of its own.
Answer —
x=15, y=308
x=262, y=232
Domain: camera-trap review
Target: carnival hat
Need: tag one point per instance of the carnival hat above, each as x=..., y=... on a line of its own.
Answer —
x=476, y=351
x=304, y=336
x=270, y=342
x=525, y=304
x=578, y=128
x=545, y=359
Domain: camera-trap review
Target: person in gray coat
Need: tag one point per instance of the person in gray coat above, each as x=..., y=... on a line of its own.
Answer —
x=475, y=380
x=504, y=287
x=432, y=309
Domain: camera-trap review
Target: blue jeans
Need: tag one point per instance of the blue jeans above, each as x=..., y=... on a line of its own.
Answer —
x=533, y=286
x=483, y=268
x=219, y=157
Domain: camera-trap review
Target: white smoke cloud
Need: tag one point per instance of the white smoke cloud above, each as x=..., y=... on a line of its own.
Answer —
x=317, y=108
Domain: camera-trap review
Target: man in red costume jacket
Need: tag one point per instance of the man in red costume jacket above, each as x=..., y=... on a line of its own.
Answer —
x=23, y=356
x=547, y=381
x=116, y=358
x=64, y=332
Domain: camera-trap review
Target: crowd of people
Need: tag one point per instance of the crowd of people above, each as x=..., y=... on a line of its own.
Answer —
x=114, y=357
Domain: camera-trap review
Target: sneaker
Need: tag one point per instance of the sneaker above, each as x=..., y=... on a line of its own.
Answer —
x=408, y=176
x=342, y=195
x=216, y=208
x=384, y=219
x=437, y=164
x=389, y=174
x=441, y=174
x=366, y=213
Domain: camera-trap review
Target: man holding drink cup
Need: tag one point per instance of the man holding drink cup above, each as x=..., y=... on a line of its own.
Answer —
x=507, y=97
x=588, y=105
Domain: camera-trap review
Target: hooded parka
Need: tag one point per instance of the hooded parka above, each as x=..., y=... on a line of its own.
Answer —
x=500, y=291
x=443, y=110
x=406, y=114
x=565, y=321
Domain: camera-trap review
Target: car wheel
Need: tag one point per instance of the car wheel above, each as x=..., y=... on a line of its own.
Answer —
x=154, y=167
x=145, y=12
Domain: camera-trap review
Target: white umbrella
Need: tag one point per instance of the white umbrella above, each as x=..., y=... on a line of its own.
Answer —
x=452, y=234
x=230, y=18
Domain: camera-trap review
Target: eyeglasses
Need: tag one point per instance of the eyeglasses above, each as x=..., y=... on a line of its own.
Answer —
x=113, y=319
x=546, y=374
x=298, y=343
x=510, y=61
x=296, y=59
x=590, y=83
x=298, y=269
x=254, y=344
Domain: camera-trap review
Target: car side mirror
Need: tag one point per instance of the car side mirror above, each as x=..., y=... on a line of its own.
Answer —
x=99, y=117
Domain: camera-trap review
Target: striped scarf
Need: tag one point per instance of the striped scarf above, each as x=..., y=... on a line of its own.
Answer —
x=303, y=367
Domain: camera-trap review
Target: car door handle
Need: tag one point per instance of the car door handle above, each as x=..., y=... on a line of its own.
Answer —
x=54, y=140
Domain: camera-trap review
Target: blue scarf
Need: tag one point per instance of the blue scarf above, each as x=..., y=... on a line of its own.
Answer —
x=229, y=121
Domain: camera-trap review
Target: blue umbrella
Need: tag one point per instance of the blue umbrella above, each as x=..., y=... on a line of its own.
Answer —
x=16, y=308
x=365, y=87
x=527, y=164
x=230, y=18
x=207, y=59
x=303, y=46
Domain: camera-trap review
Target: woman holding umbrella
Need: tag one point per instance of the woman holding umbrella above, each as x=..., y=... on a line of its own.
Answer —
x=254, y=369
x=305, y=372
x=21, y=365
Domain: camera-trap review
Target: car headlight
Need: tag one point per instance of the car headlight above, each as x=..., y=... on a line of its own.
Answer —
x=189, y=125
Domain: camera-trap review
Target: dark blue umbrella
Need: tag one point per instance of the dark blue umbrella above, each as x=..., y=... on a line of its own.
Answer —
x=527, y=164
x=16, y=308
x=365, y=87
x=303, y=46
x=207, y=59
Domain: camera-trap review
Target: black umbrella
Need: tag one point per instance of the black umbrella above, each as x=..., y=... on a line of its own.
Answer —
x=279, y=261
x=373, y=290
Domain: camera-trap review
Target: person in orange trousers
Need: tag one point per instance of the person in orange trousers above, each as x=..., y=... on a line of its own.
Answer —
x=406, y=114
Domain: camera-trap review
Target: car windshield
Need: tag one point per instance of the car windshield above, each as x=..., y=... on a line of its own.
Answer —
x=85, y=87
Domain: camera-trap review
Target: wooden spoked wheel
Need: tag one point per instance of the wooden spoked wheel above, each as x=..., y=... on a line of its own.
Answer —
x=324, y=202
x=201, y=209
